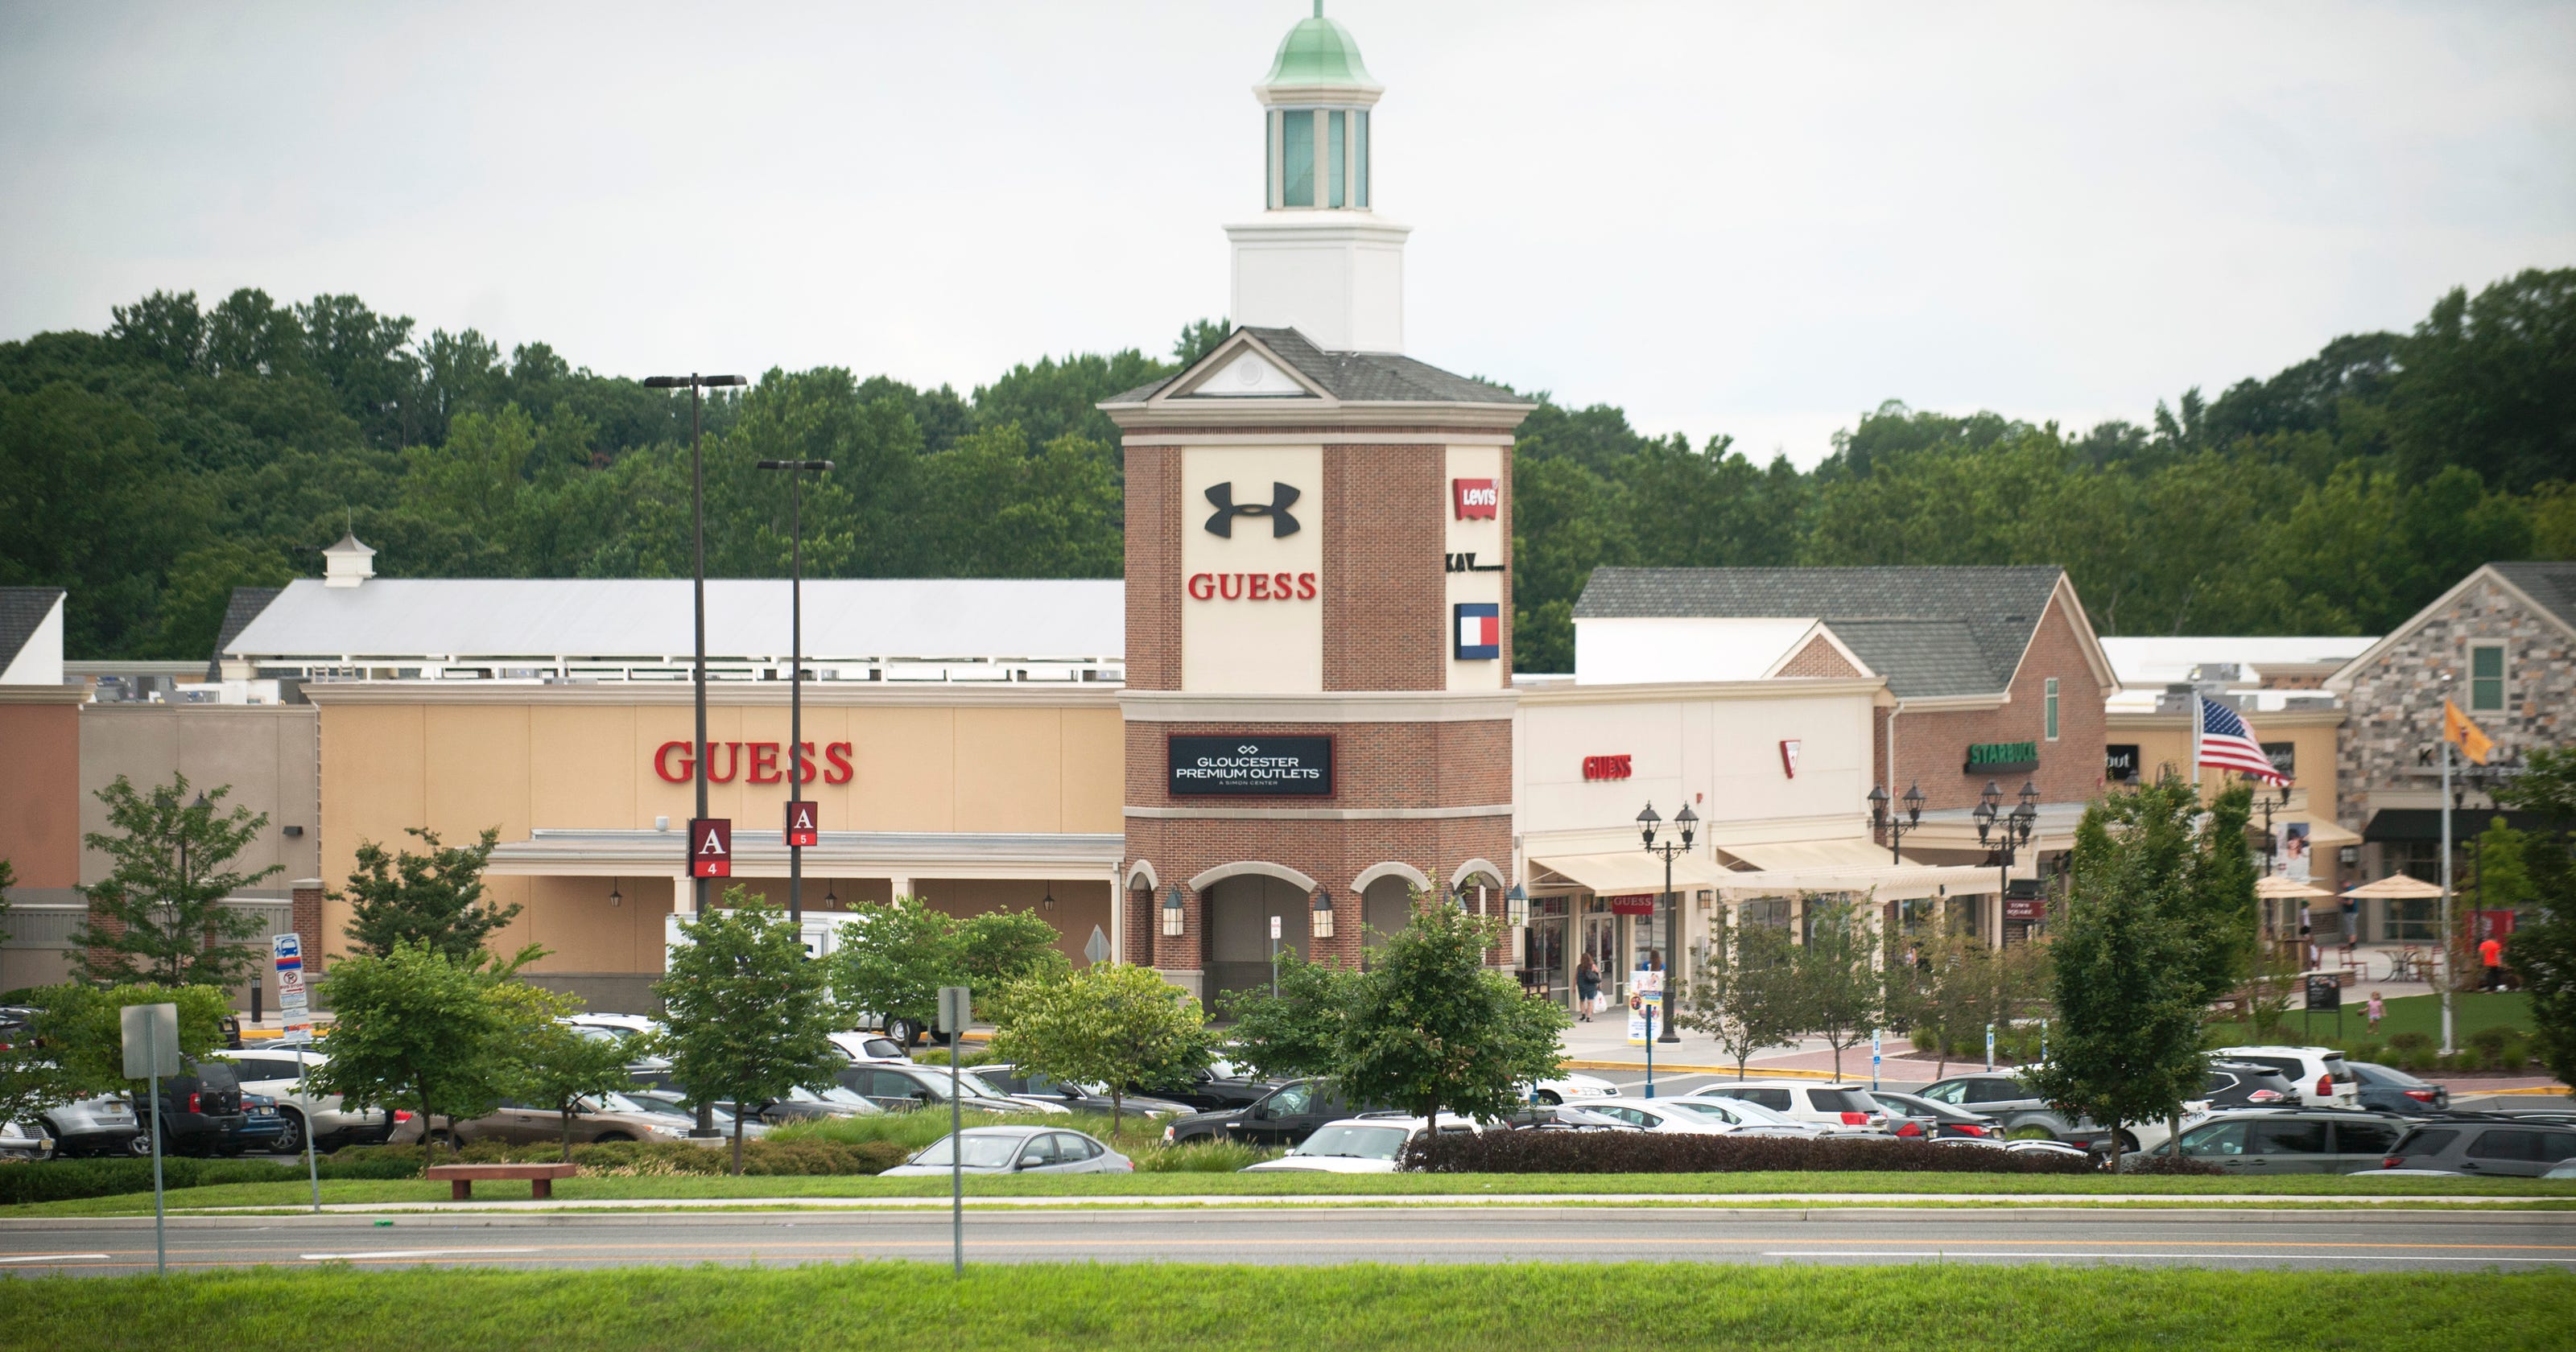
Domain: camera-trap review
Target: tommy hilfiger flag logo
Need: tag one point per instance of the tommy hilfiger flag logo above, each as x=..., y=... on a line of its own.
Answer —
x=1479, y=629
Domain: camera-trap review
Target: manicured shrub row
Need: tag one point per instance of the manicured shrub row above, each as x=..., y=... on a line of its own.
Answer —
x=67, y=1180
x=2161, y=1163
x=629, y=1159
x=1641, y=1152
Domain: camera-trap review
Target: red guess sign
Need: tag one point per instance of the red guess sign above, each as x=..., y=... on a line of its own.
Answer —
x=1475, y=498
x=753, y=762
x=1605, y=767
x=803, y=828
x=710, y=847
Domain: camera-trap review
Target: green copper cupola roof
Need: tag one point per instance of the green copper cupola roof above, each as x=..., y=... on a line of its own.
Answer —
x=1319, y=51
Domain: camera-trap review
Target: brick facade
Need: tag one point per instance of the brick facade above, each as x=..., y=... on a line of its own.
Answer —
x=2395, y=697
x=1153, y=568
x=1819, y=658
x=1383, y=511
x=1932, y=744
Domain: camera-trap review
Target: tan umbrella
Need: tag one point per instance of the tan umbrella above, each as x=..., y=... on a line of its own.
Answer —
x=2286, y=887
x=2396, y=885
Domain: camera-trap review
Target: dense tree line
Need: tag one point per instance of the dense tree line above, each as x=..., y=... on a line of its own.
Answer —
x=187, y=450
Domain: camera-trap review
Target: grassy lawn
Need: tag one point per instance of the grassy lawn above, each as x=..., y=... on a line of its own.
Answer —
x=2470, y=1011
x=1255, y=1186
x=1317, y=1309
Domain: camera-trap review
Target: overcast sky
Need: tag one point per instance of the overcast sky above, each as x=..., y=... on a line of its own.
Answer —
x=1757, y=219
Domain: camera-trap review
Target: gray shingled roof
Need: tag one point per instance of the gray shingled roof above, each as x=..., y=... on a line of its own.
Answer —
x=2552, y=585
x=245, y=606
x=1930, y=631
x=21, y=610
x=1359, y=377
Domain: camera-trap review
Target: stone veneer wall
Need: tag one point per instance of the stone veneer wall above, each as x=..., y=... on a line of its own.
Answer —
x=2396, y=701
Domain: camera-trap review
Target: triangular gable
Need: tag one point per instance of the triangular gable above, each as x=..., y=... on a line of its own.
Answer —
x=2342, y=678
x=2104, y=675
x=1819, y=632
x=1241, y=367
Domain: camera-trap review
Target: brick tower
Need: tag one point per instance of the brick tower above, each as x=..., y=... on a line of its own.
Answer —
x=1318, y=705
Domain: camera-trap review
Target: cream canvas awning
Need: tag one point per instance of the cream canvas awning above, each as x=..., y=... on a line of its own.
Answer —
x=1848, y=852
x=2328, y=833
x=1888, y=882
x=1628, y=873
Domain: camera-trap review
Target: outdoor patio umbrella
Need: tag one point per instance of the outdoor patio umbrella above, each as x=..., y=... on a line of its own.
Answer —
x=2396, y=885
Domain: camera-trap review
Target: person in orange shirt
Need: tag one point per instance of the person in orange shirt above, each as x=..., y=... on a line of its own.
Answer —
x=2491, y=953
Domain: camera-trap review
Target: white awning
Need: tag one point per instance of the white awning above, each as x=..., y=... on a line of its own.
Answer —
x=1628, y=873
x=1788, y=856
x=1887, y=882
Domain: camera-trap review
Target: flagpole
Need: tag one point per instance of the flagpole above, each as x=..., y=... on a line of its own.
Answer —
x=2197, y=715
x=2447, y=973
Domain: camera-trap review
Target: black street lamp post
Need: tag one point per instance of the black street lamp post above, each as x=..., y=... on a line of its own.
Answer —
x=695, y=383
x=2267, y=804
x=1880, y=819
x=2005, y=833
x=796, y=471
x=1688, y=822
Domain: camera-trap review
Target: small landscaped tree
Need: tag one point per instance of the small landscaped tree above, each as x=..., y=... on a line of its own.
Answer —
x=748, y=1016
x=890, y=963
x=158, y=916
x=76, y=1043
x=1431, y=1027
x=1746, y=995
x=999, y=948
x=2541, y=951
x=1839, y=983
x=561, y=1067
x=434, y=898
x=1299, y=1030
x=1110, y=1024
x=417, y=1028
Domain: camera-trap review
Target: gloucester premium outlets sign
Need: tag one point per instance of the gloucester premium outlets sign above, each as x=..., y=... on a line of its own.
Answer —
x=1251, y=767
x=753, y=763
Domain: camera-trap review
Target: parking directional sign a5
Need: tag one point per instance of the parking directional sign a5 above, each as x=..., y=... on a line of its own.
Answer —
x=288, y=949
x=710, y=847
x=804, y=826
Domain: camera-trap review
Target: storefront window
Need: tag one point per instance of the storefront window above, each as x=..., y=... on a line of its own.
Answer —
x=1770, y=911
x=2414, y=919
x=2486, y=678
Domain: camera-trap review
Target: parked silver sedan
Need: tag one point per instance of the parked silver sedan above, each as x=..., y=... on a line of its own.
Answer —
x=1016, y=1150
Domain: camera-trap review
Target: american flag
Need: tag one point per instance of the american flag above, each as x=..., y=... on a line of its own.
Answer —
x=2227, y=743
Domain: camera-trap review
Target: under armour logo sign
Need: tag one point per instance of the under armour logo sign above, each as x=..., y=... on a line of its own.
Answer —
x=1282, y=497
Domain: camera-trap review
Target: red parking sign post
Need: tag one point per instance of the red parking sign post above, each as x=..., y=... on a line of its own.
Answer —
x=710, y=847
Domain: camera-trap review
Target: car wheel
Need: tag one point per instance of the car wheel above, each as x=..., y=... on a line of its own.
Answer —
x=139, y=1144
x=904, y=1031
x=605, y=1137
x=2128, y=1144
x=1547, y=1098
x=292, y=1142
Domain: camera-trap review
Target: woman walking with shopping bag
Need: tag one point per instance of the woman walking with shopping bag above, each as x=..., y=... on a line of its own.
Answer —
x=1587, y=987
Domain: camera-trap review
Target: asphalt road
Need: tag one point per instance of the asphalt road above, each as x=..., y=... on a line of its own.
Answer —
x=1426, y=1233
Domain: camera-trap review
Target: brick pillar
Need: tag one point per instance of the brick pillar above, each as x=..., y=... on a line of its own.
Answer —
x=307, y=913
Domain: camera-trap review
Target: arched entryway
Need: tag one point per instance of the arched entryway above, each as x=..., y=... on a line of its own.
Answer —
x=1238, y=911
x=1385, y=907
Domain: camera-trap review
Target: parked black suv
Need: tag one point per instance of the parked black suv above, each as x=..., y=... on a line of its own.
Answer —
x=1284, y=1116
x=201, y=1110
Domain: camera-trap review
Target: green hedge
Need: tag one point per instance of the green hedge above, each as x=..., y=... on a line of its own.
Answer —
x=69, y=1180
x=626, y=1159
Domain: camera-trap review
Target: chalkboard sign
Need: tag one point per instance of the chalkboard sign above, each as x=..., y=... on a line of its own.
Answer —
x=2325, y=993
x=1251, y=767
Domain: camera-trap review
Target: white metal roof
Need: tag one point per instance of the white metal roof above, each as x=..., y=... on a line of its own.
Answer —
x=987, y=618
x=2157, y=661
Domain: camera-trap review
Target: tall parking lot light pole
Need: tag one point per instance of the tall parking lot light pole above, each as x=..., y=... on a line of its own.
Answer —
x=1688, y=821
x=796, y=471
x=706, y=1125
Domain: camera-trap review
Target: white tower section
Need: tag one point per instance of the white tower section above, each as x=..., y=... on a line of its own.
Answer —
x=1319, y=260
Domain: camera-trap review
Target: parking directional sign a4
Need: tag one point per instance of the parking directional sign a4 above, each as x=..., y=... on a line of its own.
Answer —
x=711, y=847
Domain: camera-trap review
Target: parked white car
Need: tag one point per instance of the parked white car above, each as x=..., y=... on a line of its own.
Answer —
x=273, y=1071
x=1371, y=1144
x=864, y=1046
x=2324, y=1081
x=610, y=1027
x=1571, y=1088
x=1700, y=1117
x=1844, y=1108
x=25, y=1140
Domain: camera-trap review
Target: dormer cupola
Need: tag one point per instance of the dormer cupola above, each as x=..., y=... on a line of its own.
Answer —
x=1316, y=103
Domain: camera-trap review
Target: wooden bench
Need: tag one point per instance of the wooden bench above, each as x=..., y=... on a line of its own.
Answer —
x=461, y=1177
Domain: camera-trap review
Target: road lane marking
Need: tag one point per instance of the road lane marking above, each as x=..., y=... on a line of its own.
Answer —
x=46, y=1257
x=402, y=1253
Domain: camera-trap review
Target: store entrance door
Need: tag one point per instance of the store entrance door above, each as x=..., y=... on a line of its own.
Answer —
x=1601, y=940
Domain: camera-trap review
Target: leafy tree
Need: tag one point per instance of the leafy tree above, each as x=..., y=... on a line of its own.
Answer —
x=1110, y=1023
x=999, y=948
x=8, y=879
x=562, y=1067
x=158, y=915
x=449, y=1037
x=433, y=899
x=748, y=1015
x=1299, y=1031
x=891, y=962
x=2542, y=948
x=1838, y=979
x=1746, y=993
x=1432, y=1027
x=2128, y=992
x=77, y=1047
x=1969, y=985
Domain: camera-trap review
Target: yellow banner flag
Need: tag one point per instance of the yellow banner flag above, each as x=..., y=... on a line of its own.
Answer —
x=2456, y=727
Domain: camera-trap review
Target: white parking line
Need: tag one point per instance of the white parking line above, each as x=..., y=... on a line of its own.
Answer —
x=2175, y=1257
x=46, y=1257
x=401, y=1253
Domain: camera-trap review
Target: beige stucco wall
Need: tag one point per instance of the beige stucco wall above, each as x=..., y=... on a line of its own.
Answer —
x=265, y=752
x=2164, y=740
x=1001, y=760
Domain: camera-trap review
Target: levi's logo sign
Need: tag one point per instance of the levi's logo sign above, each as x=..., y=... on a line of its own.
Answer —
x=1282, y=497
x=1475, y=498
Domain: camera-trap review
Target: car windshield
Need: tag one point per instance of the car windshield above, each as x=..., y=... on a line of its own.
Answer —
x=1710, y=1108
x=974, y=1082
x=1356, y=1143
x=617, y=1103
x=982, y=1152
x=2338, y=1070
x=2386, y=1076
x=1748, y=1111
x=830, y=1093
x=669, y=1104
